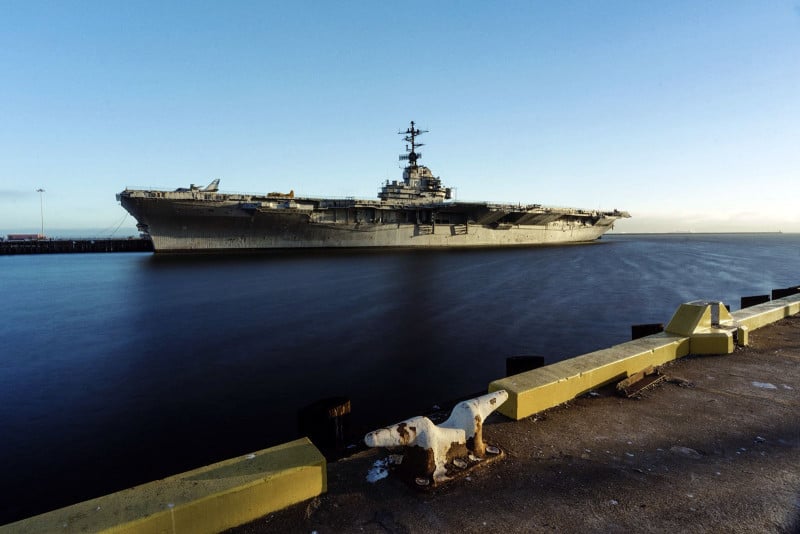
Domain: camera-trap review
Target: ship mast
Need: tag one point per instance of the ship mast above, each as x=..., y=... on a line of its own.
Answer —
x=410, y=137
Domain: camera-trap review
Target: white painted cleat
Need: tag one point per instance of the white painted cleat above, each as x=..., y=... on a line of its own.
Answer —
x=463, y=428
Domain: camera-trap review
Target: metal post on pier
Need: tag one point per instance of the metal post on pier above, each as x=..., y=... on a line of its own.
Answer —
x=41, y=208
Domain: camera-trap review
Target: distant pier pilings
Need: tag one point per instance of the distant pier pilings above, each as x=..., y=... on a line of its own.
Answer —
x=63, y=246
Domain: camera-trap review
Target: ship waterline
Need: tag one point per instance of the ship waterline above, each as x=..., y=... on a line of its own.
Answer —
x=412, y=213
x=278, y=231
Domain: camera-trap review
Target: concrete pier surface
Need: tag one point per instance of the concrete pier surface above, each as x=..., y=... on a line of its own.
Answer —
x=714, y=448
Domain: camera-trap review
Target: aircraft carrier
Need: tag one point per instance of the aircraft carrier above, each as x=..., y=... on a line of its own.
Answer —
x=415, y=212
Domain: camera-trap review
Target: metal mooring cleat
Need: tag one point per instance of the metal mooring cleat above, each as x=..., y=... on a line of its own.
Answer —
x=428, y=449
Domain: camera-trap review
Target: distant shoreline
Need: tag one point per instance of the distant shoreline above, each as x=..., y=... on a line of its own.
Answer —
x=49, y=245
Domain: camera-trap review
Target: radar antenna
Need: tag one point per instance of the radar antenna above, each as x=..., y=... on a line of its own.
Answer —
x=410, y=137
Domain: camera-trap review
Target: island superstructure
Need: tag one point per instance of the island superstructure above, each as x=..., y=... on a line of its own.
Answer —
x=416, y=212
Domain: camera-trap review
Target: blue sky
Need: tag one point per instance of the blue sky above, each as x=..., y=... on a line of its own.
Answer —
x=686, y=114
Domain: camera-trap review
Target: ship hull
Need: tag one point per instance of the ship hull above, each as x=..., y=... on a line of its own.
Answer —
x=293, y=236
x=200, y=225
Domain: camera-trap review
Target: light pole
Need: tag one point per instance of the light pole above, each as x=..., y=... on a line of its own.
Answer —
x=41, y=207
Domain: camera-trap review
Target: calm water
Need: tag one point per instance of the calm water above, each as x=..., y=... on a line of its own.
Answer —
x=116, y=369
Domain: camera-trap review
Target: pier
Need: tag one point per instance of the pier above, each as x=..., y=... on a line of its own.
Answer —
x=715, y=445
x=713, y=448
x=65, y=246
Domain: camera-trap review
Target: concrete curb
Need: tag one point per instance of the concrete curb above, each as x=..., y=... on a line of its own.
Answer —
x=691, y=331
x=209, y=499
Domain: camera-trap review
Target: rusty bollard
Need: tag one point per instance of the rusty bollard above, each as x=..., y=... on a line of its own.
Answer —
x=430, y=452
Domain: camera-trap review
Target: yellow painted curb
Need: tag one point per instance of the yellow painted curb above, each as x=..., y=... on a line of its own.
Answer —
x=768, y=312
x=209, y=499
x=543, y=388
x=692, y=330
